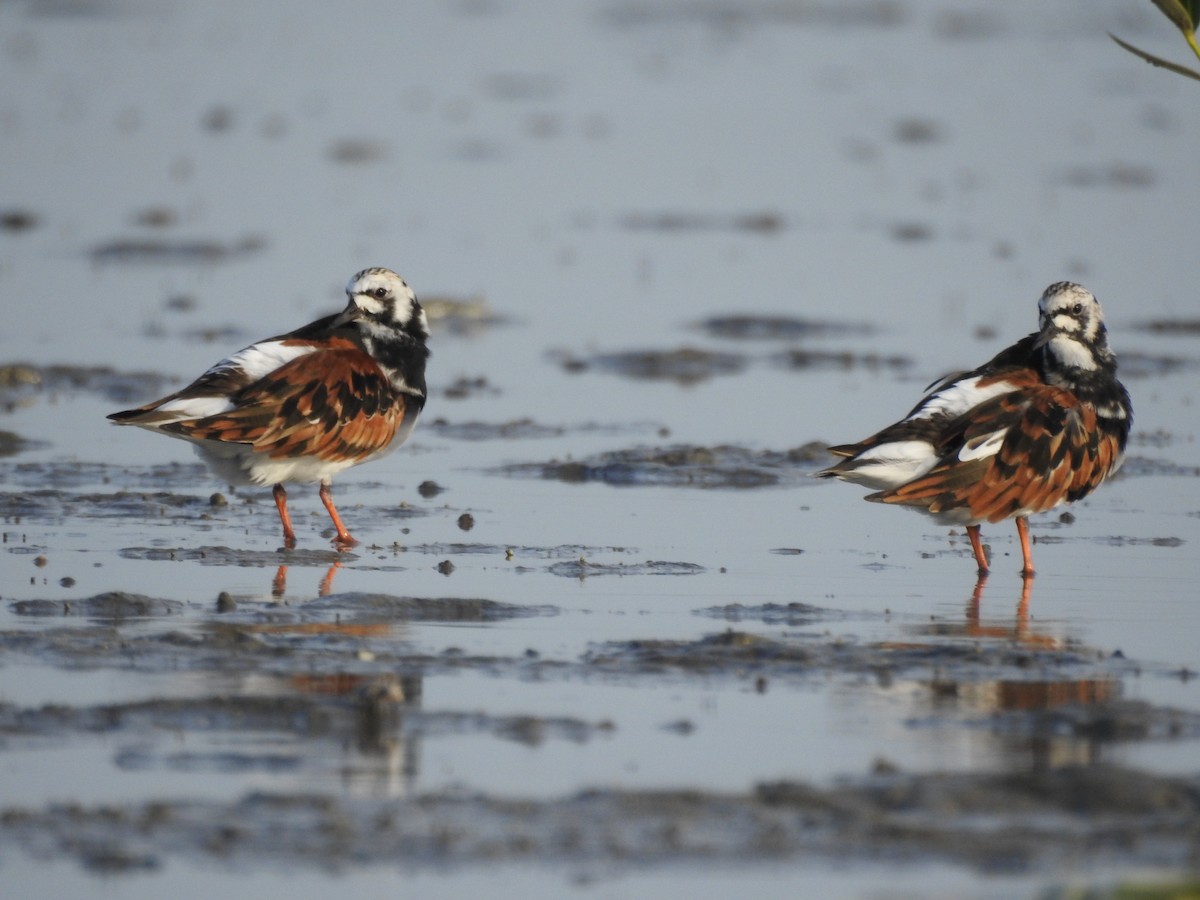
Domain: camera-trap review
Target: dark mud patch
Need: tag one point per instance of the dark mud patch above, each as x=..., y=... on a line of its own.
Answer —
x=15, y=221
x=728, y=18
x=218, y=334
x=515, y=429
x=688, y=366
x=23, y=383
x=1114, y=540
x=229, y=556
x=355, y=635
x=778, y=328
x=358, y=151
x=683, y=465
x=1113, y=176
x=466, y=386
x=1147, y=365
x=581, y=568
x=388, y=608
x=54, y=505
x=684, y=366
x=522, y=429
x=113, y=606
x=760, y=222
x=1146, y=466
x=144, y=251
x=793, y=614
x=1022, y=822
x=62, y=474
x=1173, y=327
x=802, y=655
x=462, y=316
x=844, y=359
x=513, y=551
x=11, y=444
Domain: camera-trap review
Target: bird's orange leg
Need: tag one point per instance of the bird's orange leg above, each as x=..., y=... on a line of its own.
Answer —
x=977, y=546
x=1026, y=549
x=289, y=536
x=343, y=536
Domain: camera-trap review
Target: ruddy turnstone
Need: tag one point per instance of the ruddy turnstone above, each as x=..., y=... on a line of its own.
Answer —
x=1042, y=423
x=305, y=405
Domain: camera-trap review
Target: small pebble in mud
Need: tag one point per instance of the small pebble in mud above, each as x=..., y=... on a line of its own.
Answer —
x=428, y=489
x=760, y=684
x=465, y=387
x=40, y=562
x=225, y=602
x=985, y=333
x=181, y=303
x=445, y=567
x=508, y=554
x=217, y=119
x=67, y=582
x=218, y=500
x=155, y=217
x=466, y=522
x=884, y=766
x=1067, y=518
x=17, y=220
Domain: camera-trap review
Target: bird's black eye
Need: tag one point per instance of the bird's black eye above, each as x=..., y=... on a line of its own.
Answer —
x=1077, y=308
x=382, y=293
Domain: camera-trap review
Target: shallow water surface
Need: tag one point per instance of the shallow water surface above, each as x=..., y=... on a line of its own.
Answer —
x=603, y=633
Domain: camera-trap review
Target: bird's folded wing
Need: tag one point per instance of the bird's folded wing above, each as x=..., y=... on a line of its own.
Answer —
x=330, y=404
x=1022, y=452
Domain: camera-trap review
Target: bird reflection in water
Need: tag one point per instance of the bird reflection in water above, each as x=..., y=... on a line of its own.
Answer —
x=1043, y=720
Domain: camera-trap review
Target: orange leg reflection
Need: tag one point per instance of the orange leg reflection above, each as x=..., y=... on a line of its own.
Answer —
x=1020, y=630
x=279, y=582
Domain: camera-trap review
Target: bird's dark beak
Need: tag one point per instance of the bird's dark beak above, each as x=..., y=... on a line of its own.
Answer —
x=351, y=313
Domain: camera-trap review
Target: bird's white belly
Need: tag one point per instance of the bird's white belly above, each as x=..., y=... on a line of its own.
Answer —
x=239, y=464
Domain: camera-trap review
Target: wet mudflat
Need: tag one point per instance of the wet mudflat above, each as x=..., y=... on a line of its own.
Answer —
x=602, y=635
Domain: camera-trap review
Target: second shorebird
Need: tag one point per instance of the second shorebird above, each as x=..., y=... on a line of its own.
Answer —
x=1044, y=422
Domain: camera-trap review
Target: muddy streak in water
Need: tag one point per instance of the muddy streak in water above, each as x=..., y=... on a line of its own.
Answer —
x=1095, y=815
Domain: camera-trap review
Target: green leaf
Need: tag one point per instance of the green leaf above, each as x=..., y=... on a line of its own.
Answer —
x=1182, y=13
x=1155, y=60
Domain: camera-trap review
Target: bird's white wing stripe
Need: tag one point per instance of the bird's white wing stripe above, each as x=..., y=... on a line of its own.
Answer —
x=196, y=407
x=890, y=465
x=959, y=397
x=981, y=448
x=253, y=363
x=262, y=359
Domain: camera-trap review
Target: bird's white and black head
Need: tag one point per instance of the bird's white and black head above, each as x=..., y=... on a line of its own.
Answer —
x=392, y=325
x=379, y=297
x=1072, y=332
x=1076, y=356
